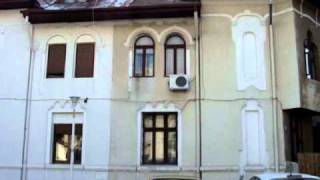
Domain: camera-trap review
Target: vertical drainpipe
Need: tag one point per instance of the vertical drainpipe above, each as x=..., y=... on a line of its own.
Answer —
x=198, y=95
x=23, y=174
x=274, y=90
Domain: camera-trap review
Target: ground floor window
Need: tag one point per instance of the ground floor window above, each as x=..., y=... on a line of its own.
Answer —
x=160, y=138
x=66, y=136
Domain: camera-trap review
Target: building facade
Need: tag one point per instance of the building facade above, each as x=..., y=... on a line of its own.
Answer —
x=89, y=88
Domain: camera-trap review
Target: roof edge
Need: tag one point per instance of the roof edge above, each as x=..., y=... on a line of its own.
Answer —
x=16, y=4
x=38, y=16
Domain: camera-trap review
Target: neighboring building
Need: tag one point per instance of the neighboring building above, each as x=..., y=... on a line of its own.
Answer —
x=95, y=89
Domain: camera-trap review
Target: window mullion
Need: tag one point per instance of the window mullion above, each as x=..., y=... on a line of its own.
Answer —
x=144, y=54
x=175, y=60
x=154, y=139
x=165, y=138
x=72, y=144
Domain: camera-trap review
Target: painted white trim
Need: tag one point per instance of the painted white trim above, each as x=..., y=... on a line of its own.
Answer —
x=176, y=29
x=220, y=168
x=102, y=168
x=168, y=107
x=130, y=63
x=188, y=61
x=2, y=34
x=64, y=108
x=253, y=106
x=142, y=30
x=166, y=177
x=275, y=14
x=57, y=39
x=251, y=70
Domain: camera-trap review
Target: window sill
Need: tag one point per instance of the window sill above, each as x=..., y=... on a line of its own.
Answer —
x=64, y=166
x=159, y=168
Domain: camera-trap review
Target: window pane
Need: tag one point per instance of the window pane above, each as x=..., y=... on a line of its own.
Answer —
x=148, y=146
x=169, y=62
x=175, y=40
x=144, y=41
x=56, y=60
x=160, y=147
x=160, y=121
x=138, y=63
x=148, y=122
x=85, y=60
x=149, y=62
x=62, y=143
x=181, y=61
x=172, y=121
x=172, y=147
x=78, y=144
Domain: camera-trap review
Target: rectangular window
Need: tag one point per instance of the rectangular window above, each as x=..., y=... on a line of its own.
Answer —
x=85, y=60
x=56, y=60
x=64, y=134
x=160, y=138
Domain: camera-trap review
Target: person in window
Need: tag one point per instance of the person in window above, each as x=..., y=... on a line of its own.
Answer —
x=77, y=150
x=62, y=149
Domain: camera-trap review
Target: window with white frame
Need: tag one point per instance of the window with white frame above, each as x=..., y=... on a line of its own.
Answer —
x=67, y=139
x=175, y=55
x=144, y=57
x=160, y=138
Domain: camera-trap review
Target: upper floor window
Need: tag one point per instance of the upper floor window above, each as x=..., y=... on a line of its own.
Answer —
x=310, y=53
x=160, y=138
x=56, y=60
x=85, y=60
x=175, y=55
x=144, y=57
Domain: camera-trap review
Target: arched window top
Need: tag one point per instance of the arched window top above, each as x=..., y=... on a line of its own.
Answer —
x=85, y=39
x=57, y=40
x=144, y=41
x=175, y=40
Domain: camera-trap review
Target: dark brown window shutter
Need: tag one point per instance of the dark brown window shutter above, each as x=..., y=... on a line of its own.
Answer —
x=85, y=60
x=56, y=60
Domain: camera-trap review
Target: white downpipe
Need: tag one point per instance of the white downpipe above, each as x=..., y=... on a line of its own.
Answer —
x=274, y=96
x=26, y=134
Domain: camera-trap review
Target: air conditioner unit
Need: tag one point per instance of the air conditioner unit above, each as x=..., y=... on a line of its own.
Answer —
x=179, y=82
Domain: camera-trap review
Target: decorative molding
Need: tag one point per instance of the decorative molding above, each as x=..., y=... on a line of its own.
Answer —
x=253, y=119
x=64, y=107
x=249, y=36
x=159, y=107
x=142, y=30
x=176, y=29
x=275, y=14
x=57, y=39
x=220, y=168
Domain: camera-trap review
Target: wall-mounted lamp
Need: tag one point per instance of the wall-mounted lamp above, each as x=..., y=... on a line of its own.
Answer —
x=74, y=100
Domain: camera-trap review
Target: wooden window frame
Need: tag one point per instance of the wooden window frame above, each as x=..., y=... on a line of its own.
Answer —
x=175, y=47
x=48, y=76
x=76, y=59
x=144, y=49
x=154, y=130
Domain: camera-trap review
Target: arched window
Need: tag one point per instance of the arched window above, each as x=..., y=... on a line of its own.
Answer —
x=85, y=55
x=56, y=57
x=310, y=54
x=175, y=54
x=144, y=57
